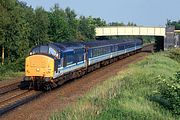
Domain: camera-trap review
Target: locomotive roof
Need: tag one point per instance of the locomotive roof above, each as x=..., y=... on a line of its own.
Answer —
x=67, y=46
x=108, y=42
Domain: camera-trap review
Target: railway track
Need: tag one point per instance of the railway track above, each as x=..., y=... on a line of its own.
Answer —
x=149, y=48
x=16, y=100
x=10, y=87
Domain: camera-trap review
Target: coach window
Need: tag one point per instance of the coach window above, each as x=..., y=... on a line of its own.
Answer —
x=121, y=47
x=115, y=48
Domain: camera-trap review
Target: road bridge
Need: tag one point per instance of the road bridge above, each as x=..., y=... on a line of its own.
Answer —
x=165, y=36
x=131, y=30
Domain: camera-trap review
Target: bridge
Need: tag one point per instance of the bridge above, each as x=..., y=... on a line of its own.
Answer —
x=165, y=36
x=128, y=30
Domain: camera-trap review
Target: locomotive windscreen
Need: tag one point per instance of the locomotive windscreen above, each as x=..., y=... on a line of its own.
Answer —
x=44, y=49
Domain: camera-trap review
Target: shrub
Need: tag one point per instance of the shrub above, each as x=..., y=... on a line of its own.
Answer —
x=169, y=92
x=174, y=54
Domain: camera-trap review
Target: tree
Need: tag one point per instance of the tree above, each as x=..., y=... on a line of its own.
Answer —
x=14, y=30
x=58, y=28
x=7, y=28
x=87, y=28
x=72, y=23
x=131, y=24
x=4, y=21
x=40, y=27
x=116, y=24
x=173, y=23
x=98, y=22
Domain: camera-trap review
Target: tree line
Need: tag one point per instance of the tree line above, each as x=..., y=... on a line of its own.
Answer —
x=22, y=27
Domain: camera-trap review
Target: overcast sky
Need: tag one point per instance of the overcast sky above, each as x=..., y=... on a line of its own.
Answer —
x=141, y=12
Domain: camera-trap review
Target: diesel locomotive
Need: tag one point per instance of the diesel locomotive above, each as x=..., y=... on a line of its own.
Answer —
x=50, y=65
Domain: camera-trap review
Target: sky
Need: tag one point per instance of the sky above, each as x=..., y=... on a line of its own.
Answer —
x=141, y=12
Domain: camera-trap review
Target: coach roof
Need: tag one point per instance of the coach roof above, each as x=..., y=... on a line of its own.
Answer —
x=109, y=42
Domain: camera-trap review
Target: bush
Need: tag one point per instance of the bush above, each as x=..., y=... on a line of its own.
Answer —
x=11, y=70
x=169, y=92
x=174, y=54
x=14, y=66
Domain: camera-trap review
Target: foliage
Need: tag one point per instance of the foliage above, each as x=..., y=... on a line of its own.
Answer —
x=10, y=71
x=86, y=27
x=148, y=39
x=129, y=95
x=22, y=27
x=174, y=23
x=122, y=24
x=174, y=54
x=169, y=91
x=58, y=31
x=40, y=27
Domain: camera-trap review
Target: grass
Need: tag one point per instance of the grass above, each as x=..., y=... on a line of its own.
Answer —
x=126, y=96
x=10, y=75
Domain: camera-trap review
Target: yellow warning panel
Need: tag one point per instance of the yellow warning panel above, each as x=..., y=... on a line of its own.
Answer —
x=39, y=65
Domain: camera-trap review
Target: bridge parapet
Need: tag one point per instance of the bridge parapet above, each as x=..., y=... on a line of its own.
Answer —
x=130, y=30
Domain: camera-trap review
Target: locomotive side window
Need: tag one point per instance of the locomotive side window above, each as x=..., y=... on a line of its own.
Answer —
x=79, y=55
x=95, y=52
x=68, y=60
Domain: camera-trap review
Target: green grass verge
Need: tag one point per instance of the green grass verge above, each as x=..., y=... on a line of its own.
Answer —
x=127, y=96
x=10, y=75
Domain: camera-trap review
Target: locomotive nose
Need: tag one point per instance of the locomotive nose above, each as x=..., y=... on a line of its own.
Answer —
x=39, y=66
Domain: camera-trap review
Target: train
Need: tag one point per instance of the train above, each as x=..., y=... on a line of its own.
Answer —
x=50, y=65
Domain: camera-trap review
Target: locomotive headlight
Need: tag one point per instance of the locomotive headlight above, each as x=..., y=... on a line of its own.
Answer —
x=37, y=69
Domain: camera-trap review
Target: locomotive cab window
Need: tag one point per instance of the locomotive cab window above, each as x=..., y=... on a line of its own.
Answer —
x=53, y=52
x=44, y=50
x=35, y=51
